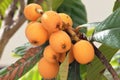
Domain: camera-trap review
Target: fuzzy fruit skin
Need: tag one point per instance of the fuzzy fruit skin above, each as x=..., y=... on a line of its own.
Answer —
x=50, y=55
x=83, y=52
x=36, y=34
x=48, y=70
x=31, y=13
x=66, y=19
x=51, y=21
x=60, y=41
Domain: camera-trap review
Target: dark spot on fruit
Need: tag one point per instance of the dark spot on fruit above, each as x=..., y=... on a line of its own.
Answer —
x=54, y=57
x=34, y=42
x=58, y=26
x=63, y=46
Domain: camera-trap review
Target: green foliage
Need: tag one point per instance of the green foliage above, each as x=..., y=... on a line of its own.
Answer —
x=20, y=51
x=90, y=27
x=44, y=5
x=56, y=4
x=3, y=71
x=116, y=5
x=116, y=61
x=108, y=31
x=51, y=4
x=76, y=10
x=74, y=71
x=4, y=5
x=96, y=69
x=83, y=30
x=64, y=67
x=33, y=74
x=24, y=67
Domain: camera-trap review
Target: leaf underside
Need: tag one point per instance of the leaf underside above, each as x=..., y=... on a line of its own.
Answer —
x=108, y=31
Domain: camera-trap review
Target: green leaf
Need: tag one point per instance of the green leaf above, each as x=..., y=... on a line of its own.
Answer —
x=51, y=4
x=45, y=5
x=83, y=30
x=116, y=5
x=56, y=4
x=75, y=9
x=74, y=71
x=20, y=51
x=115, y=61
x=83, y=71
x=63, y=72
x=33, y=74
x=4, y=5
x=3, y=71
x=93, y=24
x=90, y=27
x=108, y=31
x=90, y=31
x=103, y=77
x=95, y=69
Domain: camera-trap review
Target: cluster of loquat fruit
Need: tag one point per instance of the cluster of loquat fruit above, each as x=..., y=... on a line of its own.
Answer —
x=51, y=26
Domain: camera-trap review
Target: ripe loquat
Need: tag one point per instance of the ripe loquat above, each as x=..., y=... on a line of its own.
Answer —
x=33, y=11
x=48, y=70
x=51, y=21
x=50, y=55
x=83, y=52
x=66, y=19
x=60, y=41
x=36, y=34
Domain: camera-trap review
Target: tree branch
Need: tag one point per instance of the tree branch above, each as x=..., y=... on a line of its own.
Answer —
x=13, y=26
x=22, y=5
x=10, y=14
x=9, y=33
x=106, y=63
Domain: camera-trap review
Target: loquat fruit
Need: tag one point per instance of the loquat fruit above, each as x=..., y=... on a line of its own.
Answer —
x=66, y=19
x=60, y=41
x=50, y=55
x=48, y=70
x=83, y=52
x=51, y=21
x=33, y=11
x=36, y=34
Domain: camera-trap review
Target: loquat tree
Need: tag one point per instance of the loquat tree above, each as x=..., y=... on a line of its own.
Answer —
x=61, y=43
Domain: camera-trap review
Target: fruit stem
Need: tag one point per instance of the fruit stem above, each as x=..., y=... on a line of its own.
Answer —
x=72, y=34
x=39, y=11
